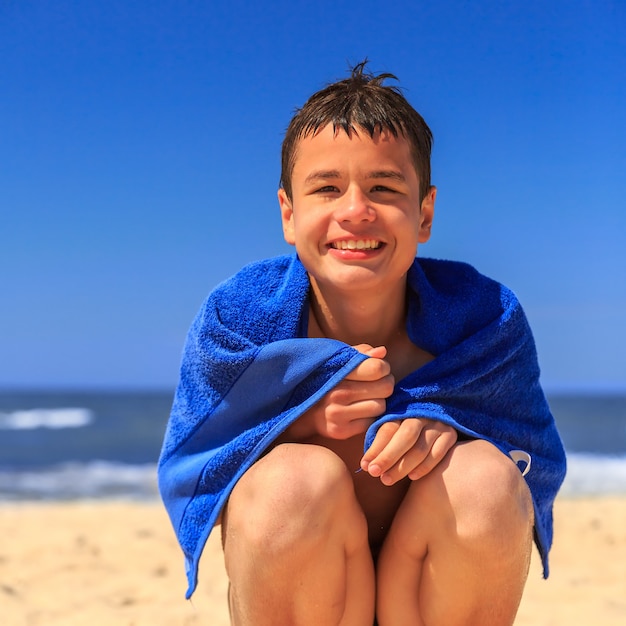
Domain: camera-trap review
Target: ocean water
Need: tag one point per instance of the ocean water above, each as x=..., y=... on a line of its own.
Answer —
x=72, y=445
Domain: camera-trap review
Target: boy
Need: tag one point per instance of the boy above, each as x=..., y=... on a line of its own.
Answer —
x=298, y=364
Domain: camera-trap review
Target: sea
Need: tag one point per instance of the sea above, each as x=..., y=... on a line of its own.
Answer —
x=73, y=445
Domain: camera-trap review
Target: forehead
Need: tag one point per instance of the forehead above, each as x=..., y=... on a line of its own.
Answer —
x=329, y=146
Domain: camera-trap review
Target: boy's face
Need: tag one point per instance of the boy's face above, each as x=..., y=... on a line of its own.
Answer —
x=355, y=216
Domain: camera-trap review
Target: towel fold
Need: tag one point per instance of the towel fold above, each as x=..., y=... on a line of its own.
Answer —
x=248, y=371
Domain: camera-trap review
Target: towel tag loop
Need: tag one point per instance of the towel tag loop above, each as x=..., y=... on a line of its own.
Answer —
x=523, y=457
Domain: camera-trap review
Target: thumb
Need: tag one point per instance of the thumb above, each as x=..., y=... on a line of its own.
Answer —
x=378, y=352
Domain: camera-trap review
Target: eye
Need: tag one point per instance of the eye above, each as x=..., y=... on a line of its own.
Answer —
x=382, y=188
x=327, y=189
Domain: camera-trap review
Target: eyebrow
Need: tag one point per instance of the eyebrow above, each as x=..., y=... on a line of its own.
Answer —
x=388, y=174
x=322, y=175
x=333, y=174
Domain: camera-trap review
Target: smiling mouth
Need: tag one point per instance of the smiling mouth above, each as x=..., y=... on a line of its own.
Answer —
x=356, y=244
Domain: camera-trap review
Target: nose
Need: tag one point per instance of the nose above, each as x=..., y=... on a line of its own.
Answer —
x=354, y=206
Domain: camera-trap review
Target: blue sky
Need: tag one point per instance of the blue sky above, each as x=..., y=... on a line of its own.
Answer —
x=139, y=162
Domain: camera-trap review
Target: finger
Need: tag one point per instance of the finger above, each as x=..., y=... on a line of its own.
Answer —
x=343, y=422
x=370, y=369
x=368, y=408
x=408, y=437
x=379, y=352
x=346, y=429
x=434, y=443
x=439, y=450
x=374, y=367
x=350, y=391
x=381, y=441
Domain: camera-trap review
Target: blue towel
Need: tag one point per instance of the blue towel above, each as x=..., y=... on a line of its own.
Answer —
x=248, y=371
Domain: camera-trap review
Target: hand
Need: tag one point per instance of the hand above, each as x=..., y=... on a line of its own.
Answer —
x=411, y=447
x=353, y=405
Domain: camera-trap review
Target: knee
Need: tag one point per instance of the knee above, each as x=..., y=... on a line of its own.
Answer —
x=493, y=500
x=288, y=497
x=485, y=495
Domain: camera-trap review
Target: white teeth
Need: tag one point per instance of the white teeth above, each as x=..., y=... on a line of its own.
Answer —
x=356, y=244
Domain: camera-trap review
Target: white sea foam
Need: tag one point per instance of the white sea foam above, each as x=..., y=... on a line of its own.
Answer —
x=97, y=479
x=594, y=474
x=587, y=475
x=30, y=419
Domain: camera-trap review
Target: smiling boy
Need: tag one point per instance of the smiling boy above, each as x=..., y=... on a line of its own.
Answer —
x=433, y=524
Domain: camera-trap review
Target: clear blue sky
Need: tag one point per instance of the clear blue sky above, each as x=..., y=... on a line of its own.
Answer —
x=139, y=162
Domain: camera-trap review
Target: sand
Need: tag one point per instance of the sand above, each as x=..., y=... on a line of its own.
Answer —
x=117, y=563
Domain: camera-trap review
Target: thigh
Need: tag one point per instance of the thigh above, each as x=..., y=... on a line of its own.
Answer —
x=295, y=541
x=476, y=490
x=462, y=531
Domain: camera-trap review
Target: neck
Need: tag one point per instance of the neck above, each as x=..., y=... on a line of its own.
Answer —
x=376, y=319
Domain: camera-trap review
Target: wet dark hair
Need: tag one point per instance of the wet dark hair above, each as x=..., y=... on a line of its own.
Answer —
x=360, y=102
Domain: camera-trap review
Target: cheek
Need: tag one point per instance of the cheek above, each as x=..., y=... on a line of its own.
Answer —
x=409, y=237
x=309, y=240
x=306, y=226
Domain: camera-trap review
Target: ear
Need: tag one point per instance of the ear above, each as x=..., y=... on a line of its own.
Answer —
x=286, y=212
x=427, y=214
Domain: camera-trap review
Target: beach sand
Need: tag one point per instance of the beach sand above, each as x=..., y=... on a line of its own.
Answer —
x=117, y=563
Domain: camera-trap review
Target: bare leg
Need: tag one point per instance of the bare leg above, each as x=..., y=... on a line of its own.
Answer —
x=295, y=543
x=458, y=551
